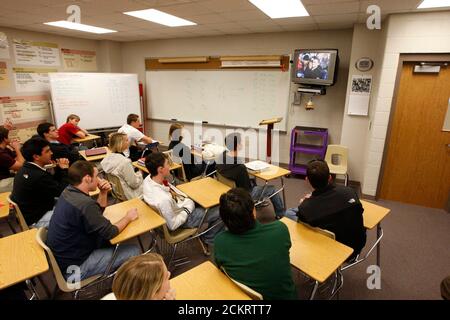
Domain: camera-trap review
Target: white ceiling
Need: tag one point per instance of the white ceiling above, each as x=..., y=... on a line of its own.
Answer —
x=214, y=17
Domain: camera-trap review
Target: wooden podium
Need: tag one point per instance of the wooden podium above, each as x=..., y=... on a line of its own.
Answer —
x=270, y=123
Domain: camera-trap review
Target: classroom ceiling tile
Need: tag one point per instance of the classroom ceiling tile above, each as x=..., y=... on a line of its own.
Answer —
x=181, y=10
x=295, y=20
x=210, y=18
x=244, y=15
x=299, y=27
x=335, y=25
x=227, y=5
x=341, y=18
x=333, y=8
x=389, y=6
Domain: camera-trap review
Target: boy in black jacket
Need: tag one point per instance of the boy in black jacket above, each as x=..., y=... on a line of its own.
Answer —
x=35, y=189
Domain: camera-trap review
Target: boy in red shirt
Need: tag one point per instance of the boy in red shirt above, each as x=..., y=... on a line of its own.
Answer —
x=70, y=130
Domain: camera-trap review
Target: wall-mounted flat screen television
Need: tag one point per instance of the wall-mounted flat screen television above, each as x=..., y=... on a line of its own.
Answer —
x=315, y=67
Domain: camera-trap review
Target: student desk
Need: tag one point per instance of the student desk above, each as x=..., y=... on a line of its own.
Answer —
x=174, y=166
x=206, y=192
x=21, y=258
x=94, y=158
x=271, y=173
x=4, y=208
x=89, y=137
x=315, y=254
x=148, y=219
x=206, y=282
x=373, y=214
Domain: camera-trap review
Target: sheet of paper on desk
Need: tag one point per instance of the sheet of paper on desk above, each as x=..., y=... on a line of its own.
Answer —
x=257, y=165
x=213, y=150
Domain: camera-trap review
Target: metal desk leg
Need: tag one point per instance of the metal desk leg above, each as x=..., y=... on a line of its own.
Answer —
x=379, y=244
x=261, y=197
x=313, y=293
x=284, y=194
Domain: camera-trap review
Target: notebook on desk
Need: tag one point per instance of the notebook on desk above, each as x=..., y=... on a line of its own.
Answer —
x=257, y=165
x=95, y=152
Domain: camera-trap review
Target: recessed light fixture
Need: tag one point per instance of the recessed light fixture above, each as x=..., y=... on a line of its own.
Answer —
x=426, y=4
x=160, y=17
x=78, y=26
x=281, y=8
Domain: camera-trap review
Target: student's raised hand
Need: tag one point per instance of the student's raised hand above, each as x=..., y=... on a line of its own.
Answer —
x=63, y=163
x=170, y=294
x=15, y=144
x=104, y=185
x=132, y=214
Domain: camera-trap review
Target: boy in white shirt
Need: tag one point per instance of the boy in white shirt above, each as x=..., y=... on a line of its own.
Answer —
x=177, y=210
x=134, y=136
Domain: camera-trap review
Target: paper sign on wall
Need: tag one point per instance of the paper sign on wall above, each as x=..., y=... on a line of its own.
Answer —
x=359, y=98
x=25, y=109
x=32, y=79
x=79, y=60
x=4, y=80
x=36, y=53
x=4, y=47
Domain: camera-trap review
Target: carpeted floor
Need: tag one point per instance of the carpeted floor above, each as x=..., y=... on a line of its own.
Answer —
x=415, y=254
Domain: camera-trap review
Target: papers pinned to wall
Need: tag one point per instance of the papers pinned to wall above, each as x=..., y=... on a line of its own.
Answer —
x=359, y=98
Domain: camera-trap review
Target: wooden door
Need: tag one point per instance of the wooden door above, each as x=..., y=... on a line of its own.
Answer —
x=417, y=166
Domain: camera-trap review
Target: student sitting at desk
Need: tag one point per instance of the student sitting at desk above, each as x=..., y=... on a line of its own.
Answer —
x=182, y=151
x=143, y=277
x=252, y=253
x=233, y=168
x=48, y=131
x=35, y=189
x=70, y=130
x=134, y=137
x=120, y=166
x=11, y=159
x=177, y=210
x=79, y=234
x=332, y=207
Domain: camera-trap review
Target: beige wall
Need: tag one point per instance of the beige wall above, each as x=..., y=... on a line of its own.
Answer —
x=329, y=108
x=405, y=33
x=366, y=43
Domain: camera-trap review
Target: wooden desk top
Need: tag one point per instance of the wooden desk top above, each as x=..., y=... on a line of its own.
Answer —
x=373, y=214
x=94, y=158
x=271, y=173
x=270, y=121
x=87, y=138
x=21, y=258
x=206, y=282
x=148, y=219
x=206, y=192
x=313, y=253
x=174, y=166
x=4, y=204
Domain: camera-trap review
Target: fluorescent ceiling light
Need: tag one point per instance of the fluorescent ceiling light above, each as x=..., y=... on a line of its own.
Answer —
x=160, y=17
x=78, y=26
x=281, y=8
x=434, y=4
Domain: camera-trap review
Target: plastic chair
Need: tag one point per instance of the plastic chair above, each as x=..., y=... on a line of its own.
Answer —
x=341, y=167
x=255, y=295
x=23, y=224
x=117, y=190
x=177, y=237
x=172, y=160
x=41, y=238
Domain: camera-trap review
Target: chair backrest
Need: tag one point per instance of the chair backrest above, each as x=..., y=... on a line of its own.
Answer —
x=225, y=180
x=41, y=238
x=174, y=236
x=339, y=150
x=117, y=190
x=249, y=291
x=172, y=159
x=23, y=224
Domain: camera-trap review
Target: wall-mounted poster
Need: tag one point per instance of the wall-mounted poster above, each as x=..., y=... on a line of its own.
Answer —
x=32, y=79
x=79, y=60
x=36, y=53
x=358, y=104
x=4, y=80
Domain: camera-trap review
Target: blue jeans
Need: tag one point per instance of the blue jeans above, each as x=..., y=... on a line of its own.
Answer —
x=212, y=217
x=44, y=221
x=291, y=213
x=99, y=259
x=268, y=191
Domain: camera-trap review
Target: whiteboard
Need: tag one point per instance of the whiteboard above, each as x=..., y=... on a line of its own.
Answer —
x=101, y=100
x=240, y=98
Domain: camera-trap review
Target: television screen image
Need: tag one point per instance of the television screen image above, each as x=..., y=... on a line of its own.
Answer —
x=315, y=67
